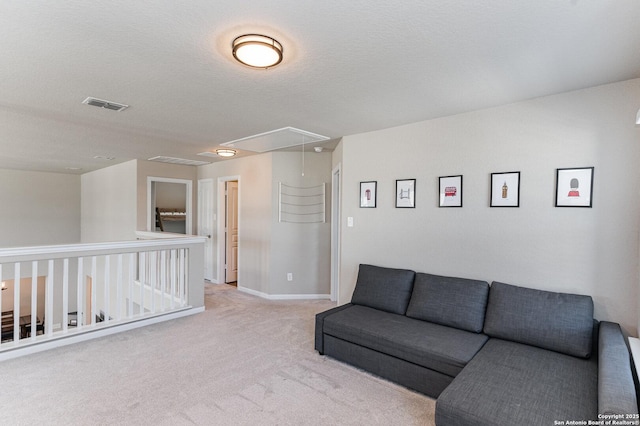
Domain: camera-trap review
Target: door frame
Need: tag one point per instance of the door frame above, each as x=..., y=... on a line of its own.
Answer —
x=231, y=234
x=151, y=195
x=222, y=219
x=207, y=212
x=336, y=189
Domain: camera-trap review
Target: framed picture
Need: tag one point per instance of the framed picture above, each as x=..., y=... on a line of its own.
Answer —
x=451, y=191
x=406, y=193
x=574, y=187
x=368, y=194
x=505, y=189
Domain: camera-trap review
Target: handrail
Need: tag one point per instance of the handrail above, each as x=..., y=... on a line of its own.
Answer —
x=12, y=254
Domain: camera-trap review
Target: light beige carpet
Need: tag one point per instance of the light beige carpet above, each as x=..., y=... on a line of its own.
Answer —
x=244, y=361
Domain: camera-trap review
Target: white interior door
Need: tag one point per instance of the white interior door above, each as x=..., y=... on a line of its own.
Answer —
x=231, y=257
x=206, y=223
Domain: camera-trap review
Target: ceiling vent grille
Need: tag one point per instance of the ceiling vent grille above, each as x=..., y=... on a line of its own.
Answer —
x=101, y=103
x=183, y=161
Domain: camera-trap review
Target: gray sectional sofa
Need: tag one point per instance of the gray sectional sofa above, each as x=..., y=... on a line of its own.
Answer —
x=491, y=355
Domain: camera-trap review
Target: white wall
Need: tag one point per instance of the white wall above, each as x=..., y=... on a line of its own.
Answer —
x=114, y=199
x=301, y=249
x=255, y=216
x=39, y=208
x=269, y=249
x=590, y=251
x=336, y=156
x=109, y=203
x=170, y=195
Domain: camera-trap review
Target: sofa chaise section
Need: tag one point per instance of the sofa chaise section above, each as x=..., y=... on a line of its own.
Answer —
x=509, y=383
x=541, y=364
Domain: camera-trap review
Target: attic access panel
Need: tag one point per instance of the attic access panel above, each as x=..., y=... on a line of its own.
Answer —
x=275, y=139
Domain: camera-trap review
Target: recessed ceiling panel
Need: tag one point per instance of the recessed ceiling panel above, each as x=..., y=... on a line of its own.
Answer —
x=276, y=139
x=101, y=103
x=174, y=160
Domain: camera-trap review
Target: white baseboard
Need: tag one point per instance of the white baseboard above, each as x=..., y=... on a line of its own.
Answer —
x=299, y=296
x=284, y=296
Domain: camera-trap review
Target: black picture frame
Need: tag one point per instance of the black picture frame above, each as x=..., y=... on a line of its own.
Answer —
x=368, y=194
x=574, y=187
x=405, y=193
x=450, y=191
x=505, y=189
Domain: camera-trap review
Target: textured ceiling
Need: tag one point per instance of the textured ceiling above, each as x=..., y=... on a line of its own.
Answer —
x=349, y=67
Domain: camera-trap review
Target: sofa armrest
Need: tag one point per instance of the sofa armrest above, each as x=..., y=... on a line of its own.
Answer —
x=616, y=390
x=319, y=344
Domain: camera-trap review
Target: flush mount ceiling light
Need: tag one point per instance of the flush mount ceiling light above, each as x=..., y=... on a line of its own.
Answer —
x=257, y=51
x=226, y=152
x=638, y=117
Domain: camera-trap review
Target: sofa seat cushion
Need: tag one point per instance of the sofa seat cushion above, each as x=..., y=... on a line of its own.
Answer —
x=440, y=348
x=382, y=288
x=556, y=321
x=509, y=383
x=456, y=302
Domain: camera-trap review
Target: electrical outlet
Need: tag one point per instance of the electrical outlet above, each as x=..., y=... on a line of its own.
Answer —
x=289, y=276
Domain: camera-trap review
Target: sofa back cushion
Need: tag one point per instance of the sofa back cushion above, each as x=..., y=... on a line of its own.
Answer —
x=559, y=322
x=381, y=288
x=454, y=302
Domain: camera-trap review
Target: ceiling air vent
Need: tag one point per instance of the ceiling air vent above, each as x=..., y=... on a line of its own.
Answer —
x=113, y=106
x=173, y=160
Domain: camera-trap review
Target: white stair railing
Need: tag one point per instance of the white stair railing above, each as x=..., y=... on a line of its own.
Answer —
x=55, y=293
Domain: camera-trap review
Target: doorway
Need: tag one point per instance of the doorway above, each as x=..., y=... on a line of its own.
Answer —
x=169, y=203
x=229, y=229
x=231, y=234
